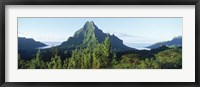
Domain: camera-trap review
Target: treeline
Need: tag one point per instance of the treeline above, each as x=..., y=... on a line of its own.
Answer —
x=100, y=56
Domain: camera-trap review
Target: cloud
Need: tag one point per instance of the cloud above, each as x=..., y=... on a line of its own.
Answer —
x=130, y=38
x=125, y=35
x=119, y=34
x=23, y=34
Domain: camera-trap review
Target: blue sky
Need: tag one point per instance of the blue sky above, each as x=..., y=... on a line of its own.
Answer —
x=130, y=30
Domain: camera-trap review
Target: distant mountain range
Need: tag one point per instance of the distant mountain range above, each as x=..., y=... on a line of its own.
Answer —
x=90, y=34
x=176, y=41
x=28, y=44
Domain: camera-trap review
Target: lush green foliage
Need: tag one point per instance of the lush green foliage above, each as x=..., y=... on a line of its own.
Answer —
x=90, y=48
x=101, y=56
x=89, y=34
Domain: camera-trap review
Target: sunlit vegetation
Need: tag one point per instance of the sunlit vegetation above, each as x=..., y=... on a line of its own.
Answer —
x=101, y=56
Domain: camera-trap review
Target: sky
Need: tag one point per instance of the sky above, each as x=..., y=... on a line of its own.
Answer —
x=132, y=31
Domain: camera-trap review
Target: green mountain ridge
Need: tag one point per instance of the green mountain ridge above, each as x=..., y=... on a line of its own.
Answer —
x=29, y=43
x=90, y=34
x=175, y=42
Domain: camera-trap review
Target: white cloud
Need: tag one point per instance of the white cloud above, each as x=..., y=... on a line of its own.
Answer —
x=24, y=34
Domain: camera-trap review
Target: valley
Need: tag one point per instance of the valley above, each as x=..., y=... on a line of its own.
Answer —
x=91, y=48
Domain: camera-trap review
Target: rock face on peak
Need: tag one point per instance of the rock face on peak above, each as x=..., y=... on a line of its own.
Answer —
x=90, y=34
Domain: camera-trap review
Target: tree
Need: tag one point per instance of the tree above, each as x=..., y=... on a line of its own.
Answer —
x=38, y=60
x=21, y=63
x=128, y=61
x=107, y=47
x=170, y=59
x=96, y=62
x=55, y=63
x=65, y=63
x=149, y=64
x=54, y=51
x=32, y=64
x=106, y=52
x=72, y=64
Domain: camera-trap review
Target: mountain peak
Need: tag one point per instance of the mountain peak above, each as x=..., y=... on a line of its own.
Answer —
x=89, y=25
x=91, y=22
x=90, y=34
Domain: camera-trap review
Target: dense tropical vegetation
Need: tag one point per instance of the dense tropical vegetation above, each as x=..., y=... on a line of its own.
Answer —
x=90, y=48
x=101, y=56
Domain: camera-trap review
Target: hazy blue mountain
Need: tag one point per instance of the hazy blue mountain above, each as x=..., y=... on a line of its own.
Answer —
x=176, y=41
x=28, y=43
x=90, y=34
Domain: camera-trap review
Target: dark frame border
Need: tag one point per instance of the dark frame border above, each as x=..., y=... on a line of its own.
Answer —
x=99, y=2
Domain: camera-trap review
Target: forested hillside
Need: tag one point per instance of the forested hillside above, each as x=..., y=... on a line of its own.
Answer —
x=101, y=57
x=90, y=48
